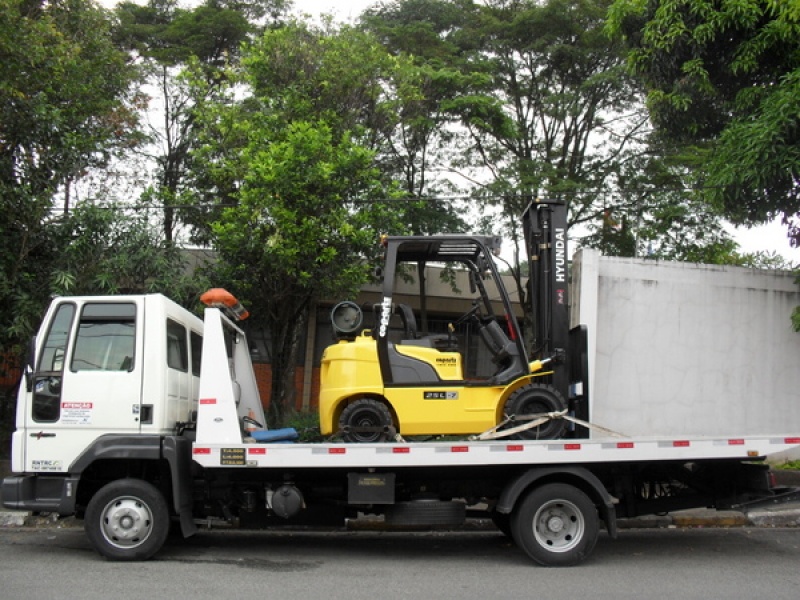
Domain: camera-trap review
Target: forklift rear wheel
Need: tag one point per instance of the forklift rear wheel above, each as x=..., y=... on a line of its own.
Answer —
x=127, y=519
x=556, y=525
x=366, y=421
x=534, y=399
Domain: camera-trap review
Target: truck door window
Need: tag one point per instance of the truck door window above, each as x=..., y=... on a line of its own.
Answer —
x=197, y=352
x=46, y=406
x=177, y=352
x=106, y=338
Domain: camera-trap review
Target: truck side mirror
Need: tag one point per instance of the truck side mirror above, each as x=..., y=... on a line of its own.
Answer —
x=30, y=366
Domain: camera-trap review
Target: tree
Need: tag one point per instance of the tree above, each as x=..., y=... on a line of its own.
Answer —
x=102, y=249
x=544, y=106
x=725, y=77
x=63, y=91
x=308, y=200
x=570, y=114
x=657, y=213
x=165, y=38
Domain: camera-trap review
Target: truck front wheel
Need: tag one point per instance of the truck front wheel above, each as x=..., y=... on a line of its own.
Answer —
x=127, y=519
x=556, y=525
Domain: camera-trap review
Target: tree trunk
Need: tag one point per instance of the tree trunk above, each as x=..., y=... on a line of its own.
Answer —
x=285, y=343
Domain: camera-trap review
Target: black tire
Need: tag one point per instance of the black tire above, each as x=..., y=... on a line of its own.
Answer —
x=556, y=525
x=127, y=519
x=533, y=399
x=370, y=413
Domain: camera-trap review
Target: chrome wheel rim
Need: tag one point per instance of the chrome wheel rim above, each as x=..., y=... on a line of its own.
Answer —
x=558, y=526
x=127, y=522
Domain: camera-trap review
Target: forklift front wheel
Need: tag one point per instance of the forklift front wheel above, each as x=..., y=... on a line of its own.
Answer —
x=366, y=421
x=537, y=399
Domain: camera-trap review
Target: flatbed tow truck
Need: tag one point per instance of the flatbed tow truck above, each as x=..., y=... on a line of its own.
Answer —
x=136, y=416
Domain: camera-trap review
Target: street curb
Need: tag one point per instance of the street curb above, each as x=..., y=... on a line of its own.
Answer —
x=786, y=516
x=22, y=519
x=775, y=518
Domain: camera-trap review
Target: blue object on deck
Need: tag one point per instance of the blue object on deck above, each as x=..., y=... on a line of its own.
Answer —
x=287, y=434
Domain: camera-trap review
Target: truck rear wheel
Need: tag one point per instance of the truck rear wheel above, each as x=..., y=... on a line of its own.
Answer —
x=127, y=519
x=556, y=525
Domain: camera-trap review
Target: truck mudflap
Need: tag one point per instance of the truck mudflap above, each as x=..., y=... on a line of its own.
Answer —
x=41, y=493
x=178, y=453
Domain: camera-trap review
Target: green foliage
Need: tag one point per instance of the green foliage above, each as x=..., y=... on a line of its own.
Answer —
x=308, y=201
x=165, y=38
x=306, y=424
x=658, y=215
x=796, y=318
x=295, y=221
x=63, y=87
x=725, y=74
x=754, y=170
x=789, y=465
x=536, y=87
x=170, y=35
x=105, y=251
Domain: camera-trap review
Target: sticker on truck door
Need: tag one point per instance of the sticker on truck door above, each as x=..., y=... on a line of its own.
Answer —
x=76, y=413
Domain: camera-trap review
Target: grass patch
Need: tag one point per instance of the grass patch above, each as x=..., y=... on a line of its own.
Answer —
x=307, y=425
x=789, y=465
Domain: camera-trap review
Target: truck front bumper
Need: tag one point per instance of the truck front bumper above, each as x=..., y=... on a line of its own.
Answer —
x=40, y=493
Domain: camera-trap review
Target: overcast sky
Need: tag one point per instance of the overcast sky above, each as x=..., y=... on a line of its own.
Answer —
x=343, y=10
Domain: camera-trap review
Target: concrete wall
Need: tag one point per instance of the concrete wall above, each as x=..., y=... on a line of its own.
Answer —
x=687, y=349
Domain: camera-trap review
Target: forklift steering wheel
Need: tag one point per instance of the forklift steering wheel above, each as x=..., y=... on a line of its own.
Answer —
x=472, y=312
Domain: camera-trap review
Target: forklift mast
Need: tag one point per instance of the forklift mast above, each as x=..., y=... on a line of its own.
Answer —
x=545, y=227
x=546, y=243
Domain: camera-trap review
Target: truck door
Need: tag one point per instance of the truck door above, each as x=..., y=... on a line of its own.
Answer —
x=179, y=377
x=87, y=382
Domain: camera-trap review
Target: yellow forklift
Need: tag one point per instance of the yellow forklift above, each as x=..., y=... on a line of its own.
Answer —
x=478, y=377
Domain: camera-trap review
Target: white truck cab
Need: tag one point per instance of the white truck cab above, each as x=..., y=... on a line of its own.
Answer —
x=105, y=365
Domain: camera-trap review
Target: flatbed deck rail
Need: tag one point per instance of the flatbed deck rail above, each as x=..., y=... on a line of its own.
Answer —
x=456, y=453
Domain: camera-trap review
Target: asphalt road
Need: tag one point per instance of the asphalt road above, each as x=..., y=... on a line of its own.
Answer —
x=664, y=563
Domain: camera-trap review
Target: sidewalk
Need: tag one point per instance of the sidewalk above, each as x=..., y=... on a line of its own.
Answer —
x=786, y=515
